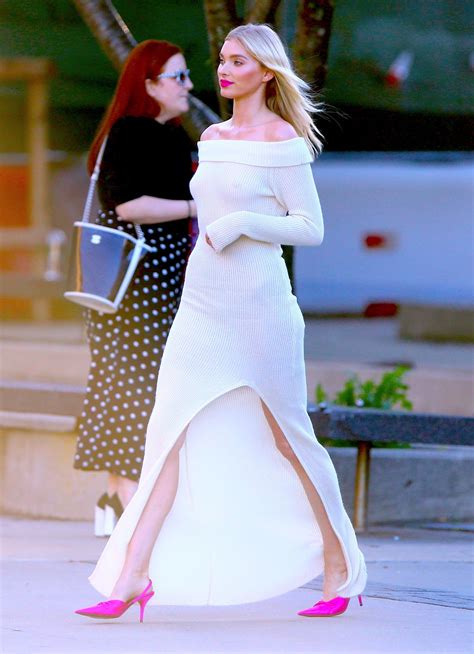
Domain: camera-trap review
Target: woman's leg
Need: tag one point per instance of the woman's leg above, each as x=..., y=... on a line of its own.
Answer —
x=124, y=487
x=134, y=575
x=112, y=483
x=126, y=490
x=335, y=570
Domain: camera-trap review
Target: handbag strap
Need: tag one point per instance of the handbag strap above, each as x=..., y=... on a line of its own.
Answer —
x=86, y=214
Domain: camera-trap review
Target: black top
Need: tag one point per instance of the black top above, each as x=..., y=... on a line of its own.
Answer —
x=144, y=157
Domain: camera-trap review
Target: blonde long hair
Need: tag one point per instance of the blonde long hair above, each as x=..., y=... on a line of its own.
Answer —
x=287, y=95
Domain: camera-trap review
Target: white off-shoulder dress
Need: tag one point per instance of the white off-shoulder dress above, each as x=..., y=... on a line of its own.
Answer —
x=241, y=528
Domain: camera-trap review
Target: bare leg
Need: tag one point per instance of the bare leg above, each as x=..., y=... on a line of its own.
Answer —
x=126, y=490
x=124, y=487
x=112, y=483
x=134, y=575
x=335, y=570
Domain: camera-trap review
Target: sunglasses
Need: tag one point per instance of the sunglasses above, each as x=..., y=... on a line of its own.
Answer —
x=181, y=76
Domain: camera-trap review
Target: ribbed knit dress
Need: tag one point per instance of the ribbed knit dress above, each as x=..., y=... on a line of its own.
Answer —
x=241, y=528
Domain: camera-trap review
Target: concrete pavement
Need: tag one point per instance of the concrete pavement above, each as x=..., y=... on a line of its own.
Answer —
x=418, y=600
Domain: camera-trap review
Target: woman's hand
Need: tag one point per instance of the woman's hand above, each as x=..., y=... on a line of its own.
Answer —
x=209, y=242
x=144, y=210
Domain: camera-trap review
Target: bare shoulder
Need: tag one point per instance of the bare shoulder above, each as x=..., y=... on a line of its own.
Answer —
x=212, y=132
x=280, y=130
x=209, y=133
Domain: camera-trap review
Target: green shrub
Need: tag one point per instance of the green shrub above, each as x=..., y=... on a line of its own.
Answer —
x=389, y=393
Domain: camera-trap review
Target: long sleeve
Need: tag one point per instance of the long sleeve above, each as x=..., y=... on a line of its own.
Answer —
x=296, y=192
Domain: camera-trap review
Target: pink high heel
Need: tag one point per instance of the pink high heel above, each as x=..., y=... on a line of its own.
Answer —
x=329, y=609
x=116, y=608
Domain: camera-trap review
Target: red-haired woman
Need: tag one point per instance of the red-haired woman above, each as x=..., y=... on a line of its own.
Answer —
x=144, y=178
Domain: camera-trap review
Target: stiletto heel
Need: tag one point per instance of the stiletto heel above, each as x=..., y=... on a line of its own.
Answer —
x=116, y=608
x=329, y=609
x=143, y=602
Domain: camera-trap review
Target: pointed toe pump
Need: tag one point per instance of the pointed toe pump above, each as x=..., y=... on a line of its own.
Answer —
x=115, y=608
x=330, y=609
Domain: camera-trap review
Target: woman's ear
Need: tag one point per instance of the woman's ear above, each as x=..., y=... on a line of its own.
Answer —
x=268, y=75
x=149, y=86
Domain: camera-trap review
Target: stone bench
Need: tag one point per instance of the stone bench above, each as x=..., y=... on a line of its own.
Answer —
x=363, y=427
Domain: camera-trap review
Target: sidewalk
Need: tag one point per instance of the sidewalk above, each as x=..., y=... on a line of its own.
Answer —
x=421, y=585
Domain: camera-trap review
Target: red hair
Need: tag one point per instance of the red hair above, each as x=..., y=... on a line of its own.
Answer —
x=145, y=61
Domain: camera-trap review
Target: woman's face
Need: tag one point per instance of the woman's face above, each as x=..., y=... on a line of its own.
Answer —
x=239, y=74
x=171, y=93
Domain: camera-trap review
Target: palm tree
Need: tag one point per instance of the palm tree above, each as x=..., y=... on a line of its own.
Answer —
x=109, y=29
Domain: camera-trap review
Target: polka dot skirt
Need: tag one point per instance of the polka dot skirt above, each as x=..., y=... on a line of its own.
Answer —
x=126, y=349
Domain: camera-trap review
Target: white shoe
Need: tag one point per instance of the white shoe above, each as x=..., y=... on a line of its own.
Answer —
x=99, y=515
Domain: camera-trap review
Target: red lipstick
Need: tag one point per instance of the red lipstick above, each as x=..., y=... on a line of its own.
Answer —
x=224, y=83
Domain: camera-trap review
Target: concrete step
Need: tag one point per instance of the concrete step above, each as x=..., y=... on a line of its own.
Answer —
x=431, y=390
x=40, y=397
x=443, y=324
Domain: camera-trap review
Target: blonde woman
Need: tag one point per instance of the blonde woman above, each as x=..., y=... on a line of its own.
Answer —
x=237, y=501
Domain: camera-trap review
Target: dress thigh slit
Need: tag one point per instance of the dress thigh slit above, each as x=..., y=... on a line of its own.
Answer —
x=239, y=513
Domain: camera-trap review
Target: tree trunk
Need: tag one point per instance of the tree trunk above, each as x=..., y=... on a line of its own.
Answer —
x=116, y=40
x=310, y=49
x=221, y=17
x=310, y=53
x=262, y=11
x=108, y=28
